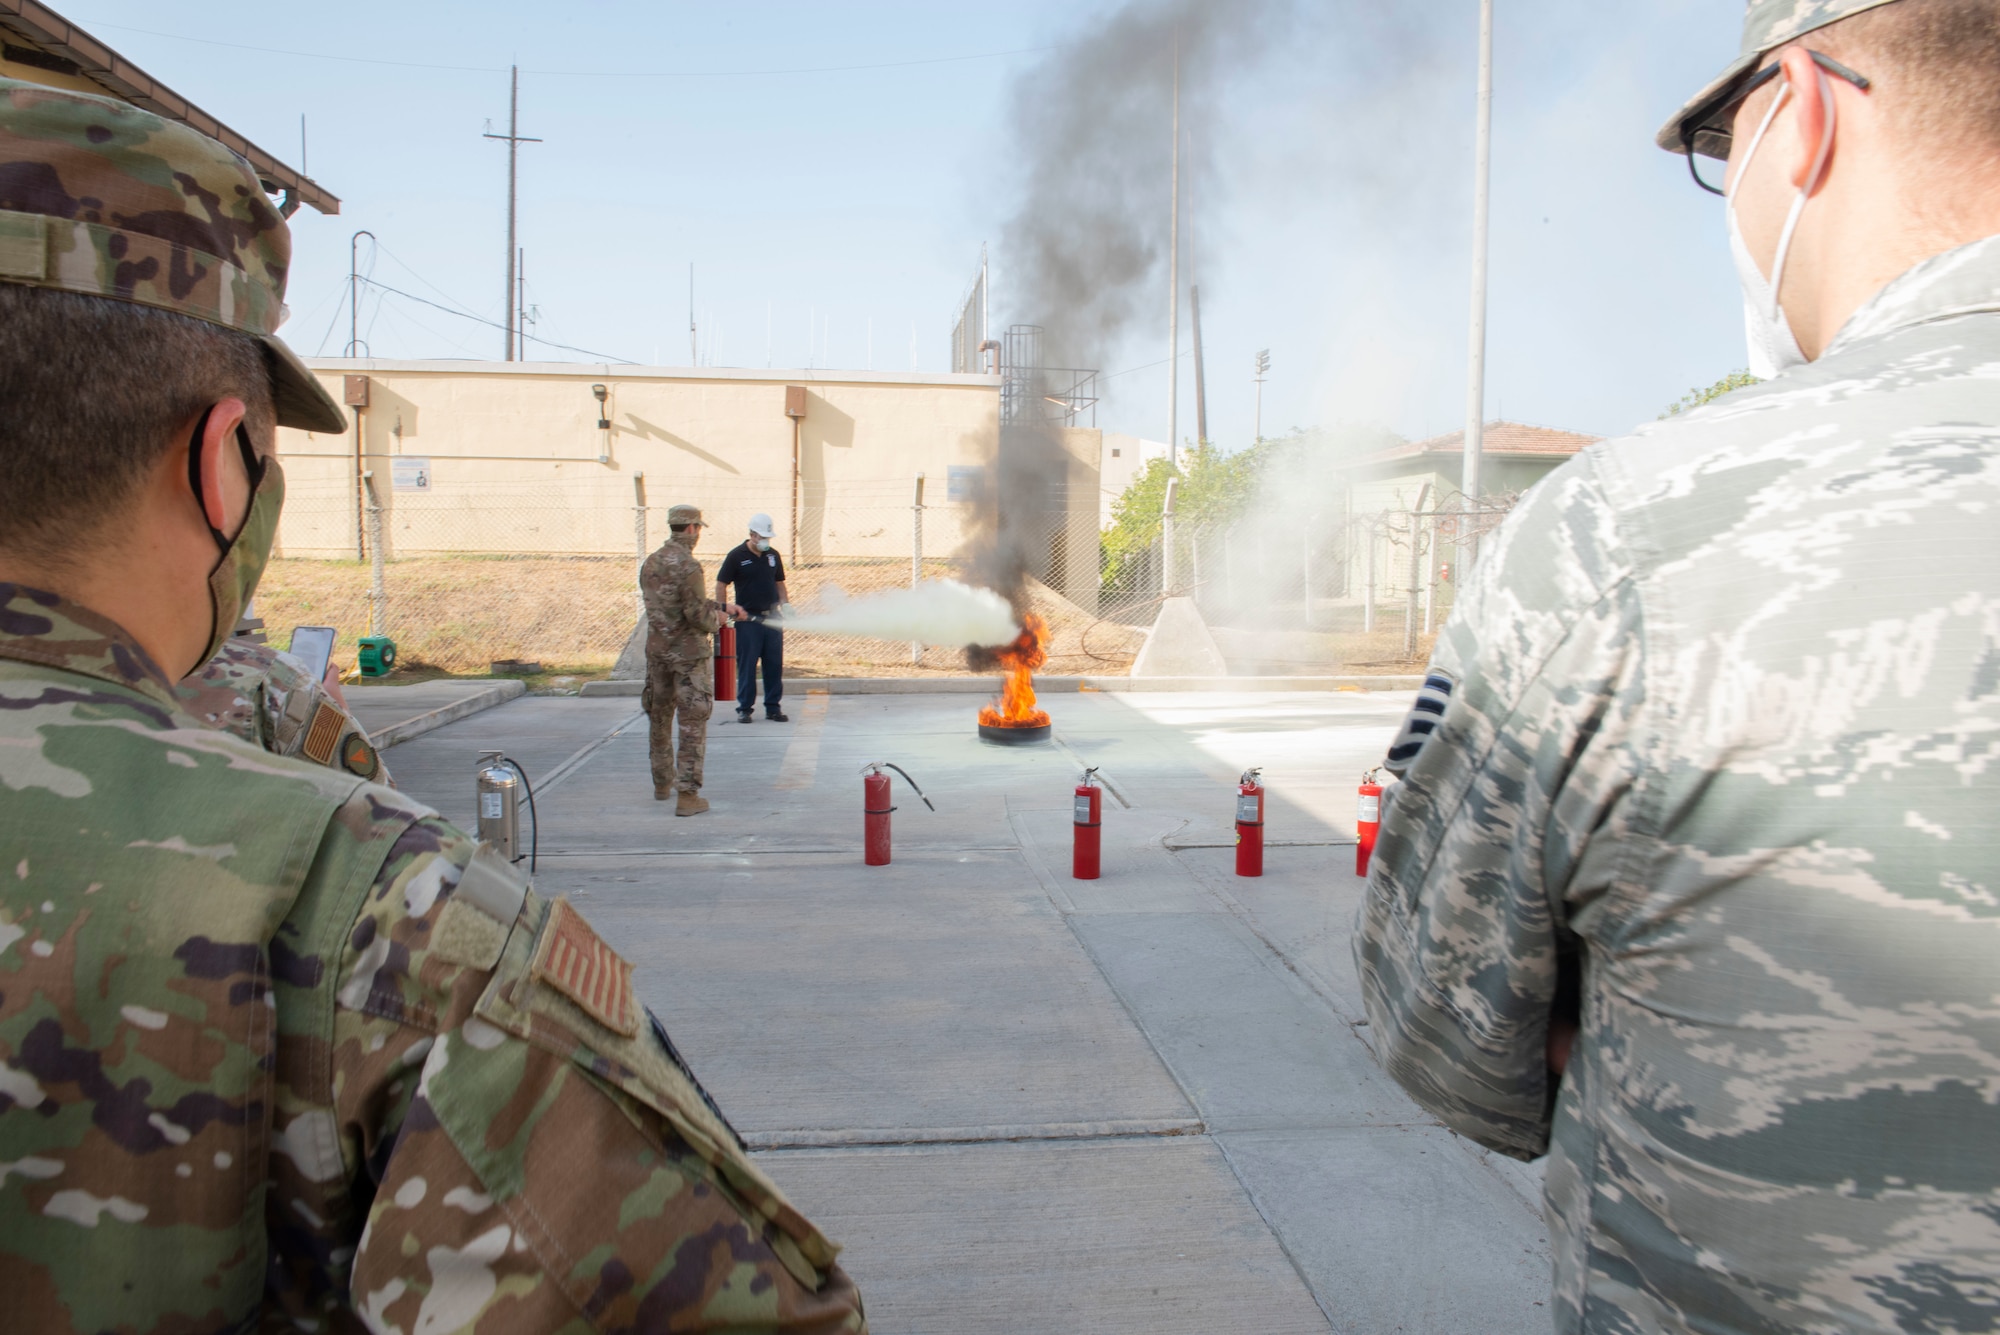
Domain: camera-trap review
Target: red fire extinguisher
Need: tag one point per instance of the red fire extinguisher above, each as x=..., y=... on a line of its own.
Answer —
x=875, y=810
x=725, y=663
x=1367, y=821
x=1250, y=824
x=1089, y=827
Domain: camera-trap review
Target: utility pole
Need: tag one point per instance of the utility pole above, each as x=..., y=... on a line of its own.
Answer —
x=1263, y=367
x=1174, y=281
x=514, y=139
x=1475, y=387
x=521, y=302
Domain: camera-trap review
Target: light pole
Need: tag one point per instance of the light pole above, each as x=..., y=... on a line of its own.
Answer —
x=354, y=292
x=1475, y=386
x=1263, y=368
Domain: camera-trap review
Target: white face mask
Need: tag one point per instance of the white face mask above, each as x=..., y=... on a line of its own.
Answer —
x=760, y=544
x=1773, y=347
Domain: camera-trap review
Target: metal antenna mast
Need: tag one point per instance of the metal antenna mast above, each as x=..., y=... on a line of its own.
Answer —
x=514, y=139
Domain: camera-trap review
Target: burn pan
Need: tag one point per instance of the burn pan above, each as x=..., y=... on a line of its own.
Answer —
x=989, y=732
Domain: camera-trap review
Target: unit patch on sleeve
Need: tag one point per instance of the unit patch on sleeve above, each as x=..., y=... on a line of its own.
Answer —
x=358, y=757
x=572, y=959
x=323, y=734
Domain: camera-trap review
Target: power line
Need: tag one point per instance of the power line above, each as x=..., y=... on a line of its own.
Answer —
x=584, y=74
x=491, y=324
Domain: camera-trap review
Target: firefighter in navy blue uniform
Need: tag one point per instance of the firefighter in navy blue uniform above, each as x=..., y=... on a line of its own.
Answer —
x=758, y=573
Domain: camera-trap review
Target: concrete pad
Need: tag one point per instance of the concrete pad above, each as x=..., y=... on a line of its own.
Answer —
x=394, y=714
x=1179, y=644
x=540, y=731
x=970, y=1061
x=937, y=995
x=1395, y=1234
x=1151, y=1237
x=1253, y=1048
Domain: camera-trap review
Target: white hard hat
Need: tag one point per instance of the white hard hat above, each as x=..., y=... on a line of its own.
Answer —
x=761, y=525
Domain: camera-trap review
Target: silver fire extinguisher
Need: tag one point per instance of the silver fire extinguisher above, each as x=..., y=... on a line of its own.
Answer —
x=499, y=784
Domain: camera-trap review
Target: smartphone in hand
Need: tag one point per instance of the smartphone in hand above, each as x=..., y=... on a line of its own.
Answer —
x=313, y=646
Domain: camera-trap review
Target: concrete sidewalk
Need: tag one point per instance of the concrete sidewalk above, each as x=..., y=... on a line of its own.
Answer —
x=394, y=714
x=1025, y=1102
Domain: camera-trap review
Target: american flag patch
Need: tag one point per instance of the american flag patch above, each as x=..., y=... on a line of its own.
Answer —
x=571, y=959
x=323, y=734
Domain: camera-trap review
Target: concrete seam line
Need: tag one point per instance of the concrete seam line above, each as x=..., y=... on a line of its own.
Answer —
x=585, y=752
x=1277, y=1236
x=497, y=694
x=1269, y=843
x=974, y=1135
x=1031, y=855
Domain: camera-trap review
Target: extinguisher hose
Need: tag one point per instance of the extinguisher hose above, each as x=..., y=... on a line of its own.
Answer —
x=534, y=821
x=907, y=779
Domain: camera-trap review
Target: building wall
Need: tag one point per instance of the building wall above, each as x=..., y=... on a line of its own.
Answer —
x=517, y=463
x=1121, y=459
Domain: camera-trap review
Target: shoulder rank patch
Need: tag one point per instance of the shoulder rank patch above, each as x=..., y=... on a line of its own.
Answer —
x=572, y=959
x=323, y=734
x=358, y=757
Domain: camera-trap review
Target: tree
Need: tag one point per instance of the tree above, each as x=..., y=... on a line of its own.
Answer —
x=1695, y=398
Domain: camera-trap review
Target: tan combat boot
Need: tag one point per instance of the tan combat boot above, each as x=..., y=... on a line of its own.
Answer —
x=663, y=794
x=691, y=804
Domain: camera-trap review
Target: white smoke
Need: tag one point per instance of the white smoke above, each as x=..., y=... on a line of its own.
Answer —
x=937, y=611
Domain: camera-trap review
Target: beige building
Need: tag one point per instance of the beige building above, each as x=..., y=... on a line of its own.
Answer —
x=1513, y=457
x=523, y=457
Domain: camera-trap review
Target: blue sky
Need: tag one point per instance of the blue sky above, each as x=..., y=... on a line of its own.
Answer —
x=853, y=201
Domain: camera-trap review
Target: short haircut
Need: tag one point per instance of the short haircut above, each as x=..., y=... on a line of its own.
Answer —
x=95, y=391
x=1935, y=65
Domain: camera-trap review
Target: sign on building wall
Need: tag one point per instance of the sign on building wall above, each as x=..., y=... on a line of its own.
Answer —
x=409, y=472
x=962, y=481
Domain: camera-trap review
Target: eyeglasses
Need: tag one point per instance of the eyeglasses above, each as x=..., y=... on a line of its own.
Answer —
x=1706, y=132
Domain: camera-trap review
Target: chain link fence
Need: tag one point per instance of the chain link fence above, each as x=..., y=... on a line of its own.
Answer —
x=1353, y=593
x=530, y=574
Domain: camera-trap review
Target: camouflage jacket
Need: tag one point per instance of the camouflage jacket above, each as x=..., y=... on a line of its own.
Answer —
x=680, y=616
x=1717, y=754
x=267, y=697
x=279, y=1048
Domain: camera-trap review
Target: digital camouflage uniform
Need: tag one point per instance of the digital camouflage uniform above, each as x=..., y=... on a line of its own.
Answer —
x=1718, y=730
x=266, y=697
x=680, y=662
x=278, y=1048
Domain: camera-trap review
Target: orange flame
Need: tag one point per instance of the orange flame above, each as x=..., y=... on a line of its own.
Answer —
x=1017, y=693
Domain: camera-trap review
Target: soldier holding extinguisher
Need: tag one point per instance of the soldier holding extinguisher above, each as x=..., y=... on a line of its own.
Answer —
x=680, y=681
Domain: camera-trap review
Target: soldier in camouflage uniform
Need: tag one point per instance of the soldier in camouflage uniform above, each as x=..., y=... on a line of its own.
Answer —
x=681, y=621
x=1692, y=879
x=268, y=698
x=278, y=1046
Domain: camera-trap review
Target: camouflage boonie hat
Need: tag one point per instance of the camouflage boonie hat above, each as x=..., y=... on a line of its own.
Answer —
x=684, y=514
x=1767, y=25
x=101, y=198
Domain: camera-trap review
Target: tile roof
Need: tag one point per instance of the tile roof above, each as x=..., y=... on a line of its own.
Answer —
x=1516, y=438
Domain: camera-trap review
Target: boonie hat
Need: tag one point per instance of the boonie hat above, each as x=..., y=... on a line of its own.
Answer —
x=684, y=514
x=1767, y=25
x=100, y=198
x=761, y=525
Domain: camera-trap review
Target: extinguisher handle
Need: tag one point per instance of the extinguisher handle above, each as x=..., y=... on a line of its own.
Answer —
x=883, y=764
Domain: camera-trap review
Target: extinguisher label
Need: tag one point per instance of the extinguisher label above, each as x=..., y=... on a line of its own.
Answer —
x=1371, y=807
x=489, y=806
x=1083, y=811
x=1248, y=808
